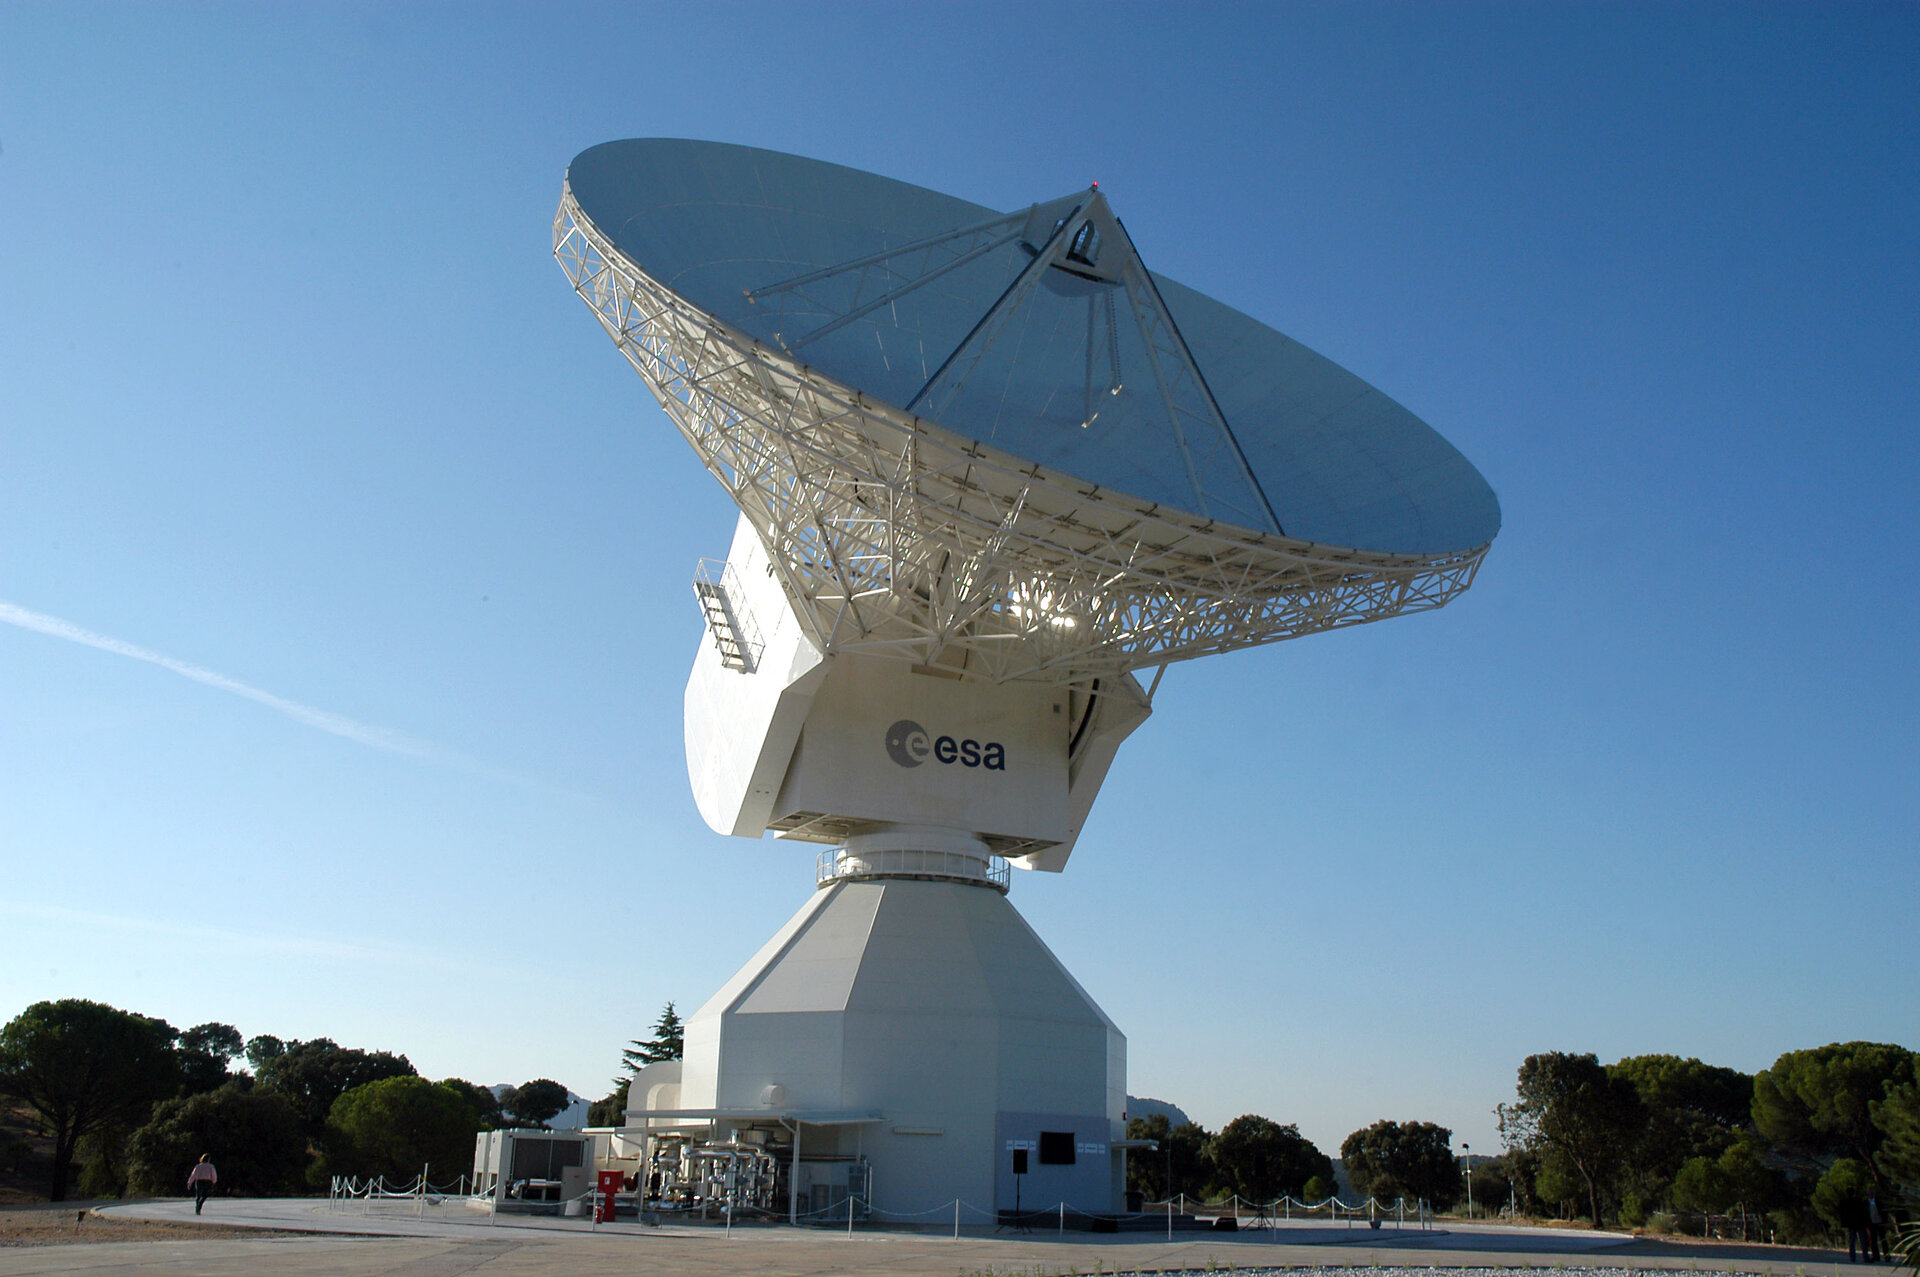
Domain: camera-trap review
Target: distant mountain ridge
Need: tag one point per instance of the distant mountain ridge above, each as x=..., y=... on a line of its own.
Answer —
x=1143, y=1106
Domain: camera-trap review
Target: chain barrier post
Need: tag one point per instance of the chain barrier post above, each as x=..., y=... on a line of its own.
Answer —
x=956, y=1219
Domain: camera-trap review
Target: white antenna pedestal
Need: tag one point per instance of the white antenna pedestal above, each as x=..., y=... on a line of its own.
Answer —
x=932, y=1031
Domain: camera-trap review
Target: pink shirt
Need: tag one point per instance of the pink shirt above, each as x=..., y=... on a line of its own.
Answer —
x=202, y=1171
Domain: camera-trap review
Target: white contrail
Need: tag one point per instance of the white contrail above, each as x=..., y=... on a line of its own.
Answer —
x=229, y=941
x=378, y=737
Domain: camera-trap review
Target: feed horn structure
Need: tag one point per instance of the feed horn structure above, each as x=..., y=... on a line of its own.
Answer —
x=989, y=467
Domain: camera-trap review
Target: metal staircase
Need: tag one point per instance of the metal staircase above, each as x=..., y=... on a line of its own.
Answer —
x=732, y=628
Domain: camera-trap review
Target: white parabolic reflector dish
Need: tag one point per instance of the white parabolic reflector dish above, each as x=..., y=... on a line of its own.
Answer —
x=996, y=441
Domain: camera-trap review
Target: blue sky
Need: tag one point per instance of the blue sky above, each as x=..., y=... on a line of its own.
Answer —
x=293, y=396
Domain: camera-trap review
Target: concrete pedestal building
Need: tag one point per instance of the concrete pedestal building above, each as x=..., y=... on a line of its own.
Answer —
x=932, y=1009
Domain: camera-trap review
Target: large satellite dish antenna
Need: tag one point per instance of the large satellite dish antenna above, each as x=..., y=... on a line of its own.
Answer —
x=988, y=465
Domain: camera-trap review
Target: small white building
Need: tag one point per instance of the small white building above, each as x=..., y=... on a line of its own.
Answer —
x=549, y=1165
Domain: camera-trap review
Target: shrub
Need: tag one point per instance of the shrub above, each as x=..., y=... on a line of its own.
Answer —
x=1633, y=1211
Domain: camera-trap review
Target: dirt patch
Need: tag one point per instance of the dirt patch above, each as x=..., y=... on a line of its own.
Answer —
x=68, y=1225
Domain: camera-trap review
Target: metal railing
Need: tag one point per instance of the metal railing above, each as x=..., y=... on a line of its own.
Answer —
x=717, y=587
x=347, y=1192
x=835, y=865
x=1398, y=1212
x=857, y=1208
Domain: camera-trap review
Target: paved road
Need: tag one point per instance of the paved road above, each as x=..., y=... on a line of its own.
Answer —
x=394, y=1243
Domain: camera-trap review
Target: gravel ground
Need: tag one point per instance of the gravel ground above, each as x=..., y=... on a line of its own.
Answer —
x=1300, y=1270
x=69, y=1223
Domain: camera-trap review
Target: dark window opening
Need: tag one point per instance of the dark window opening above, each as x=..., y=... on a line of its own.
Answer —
x=1056, y=1148
x=1085, y=248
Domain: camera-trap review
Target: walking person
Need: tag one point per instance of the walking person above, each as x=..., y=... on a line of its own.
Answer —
x=1853, y=1218
x=200, y=1181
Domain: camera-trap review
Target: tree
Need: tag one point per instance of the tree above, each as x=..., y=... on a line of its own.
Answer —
x=85, y=1068
x=1898, y=1117
x=1182, y=1153
x=1690, y=1110
x=1557, y=1184
x=535, y=1103
x=262, y=1050
x=102, y=1156
x=1522, y=1172
x=253, y=1135
x=667, y=1043
x=484, y=1103
x=611, y=1111
x=1191, y=1166
x=397, y=1125
x=1702, y=1185
x=1404, y=1159
x=204, y=1052
x=1814, y=1106
x=1739, y=1179
x=1147, y=1167
x=1260, y=1159
x=1578, y=1118
x=1494, y=1183
x=313, y=1074
x=1717, y=1096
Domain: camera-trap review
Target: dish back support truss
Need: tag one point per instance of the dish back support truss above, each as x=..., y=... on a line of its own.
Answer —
x=892, y=535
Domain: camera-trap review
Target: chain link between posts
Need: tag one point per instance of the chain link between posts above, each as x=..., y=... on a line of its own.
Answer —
x=855, y=1208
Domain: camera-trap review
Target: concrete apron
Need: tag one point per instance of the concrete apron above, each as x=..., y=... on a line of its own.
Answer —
x=456, y=1240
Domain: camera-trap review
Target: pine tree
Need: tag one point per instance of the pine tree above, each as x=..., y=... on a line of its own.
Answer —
x=668, y=1042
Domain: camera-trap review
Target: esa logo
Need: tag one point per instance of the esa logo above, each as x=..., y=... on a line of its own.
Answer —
x=909, y=745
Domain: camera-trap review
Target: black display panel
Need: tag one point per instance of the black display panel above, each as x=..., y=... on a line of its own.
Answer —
x=1056, y=1148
